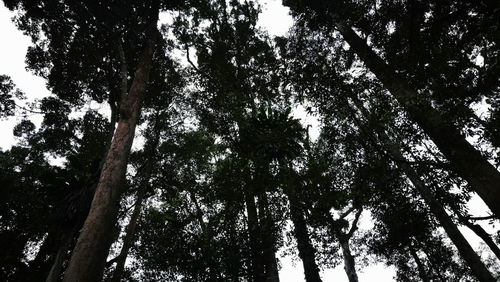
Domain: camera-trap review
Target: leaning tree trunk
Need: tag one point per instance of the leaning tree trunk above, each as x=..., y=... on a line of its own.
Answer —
x=481, y=233
x=89, y=256
x=82, y=200
x=128, y=241
x=145, y=176
x=306, y=250
x=465, y=159
x=463, y=246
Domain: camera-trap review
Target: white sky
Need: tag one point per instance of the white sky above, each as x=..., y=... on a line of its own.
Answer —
x=276, y=21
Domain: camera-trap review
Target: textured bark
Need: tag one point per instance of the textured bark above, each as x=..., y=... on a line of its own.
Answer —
x=89, y=256
x=465, y=159
x=128, y=240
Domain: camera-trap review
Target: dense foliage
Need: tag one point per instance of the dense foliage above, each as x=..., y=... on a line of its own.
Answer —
x=224, y=178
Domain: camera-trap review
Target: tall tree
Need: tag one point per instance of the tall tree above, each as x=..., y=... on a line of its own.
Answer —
x=464, y=158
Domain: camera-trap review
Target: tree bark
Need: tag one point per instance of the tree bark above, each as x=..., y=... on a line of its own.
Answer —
x=89, y=256
x=468, y=162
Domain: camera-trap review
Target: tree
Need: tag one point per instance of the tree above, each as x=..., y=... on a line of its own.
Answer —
x=464, y=158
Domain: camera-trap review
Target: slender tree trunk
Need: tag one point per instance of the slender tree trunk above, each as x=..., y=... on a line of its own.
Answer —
x=268, y=240
x=420, y=266
x=89, y=256
x=465, y=159
x=343, y=238
x=481, y=233
x=306, y=250
x=62, y=254
x=253, y=233
x=349, y=263
x=128, y=241
x=464, y=248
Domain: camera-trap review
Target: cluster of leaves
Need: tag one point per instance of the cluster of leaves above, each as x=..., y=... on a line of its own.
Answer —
x=225, y=169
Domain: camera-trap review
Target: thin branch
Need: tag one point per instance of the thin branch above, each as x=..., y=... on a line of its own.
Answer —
x=26, y=109
x=189, y=60
x=481, y=217
x=110, y=262
x=346, y=213
x=354, y=225
x=123, y=71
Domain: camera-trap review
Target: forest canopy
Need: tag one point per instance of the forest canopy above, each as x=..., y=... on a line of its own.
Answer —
x=172, y=148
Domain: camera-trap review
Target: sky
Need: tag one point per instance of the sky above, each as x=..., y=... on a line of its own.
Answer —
x=276, y=20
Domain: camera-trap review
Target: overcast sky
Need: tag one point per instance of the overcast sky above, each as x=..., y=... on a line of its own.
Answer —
x=276, y=21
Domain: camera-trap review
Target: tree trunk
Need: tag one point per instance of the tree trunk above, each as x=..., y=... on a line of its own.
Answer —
x=343, y=238
x=420, y=266
x=481, y=233
x=306, y=250
x=257, y=270
x=464, y=248
x=62, y=253
x=349, y=263
x=128, y=241
x=268, y=240
x=465, y=159
x=89, y=256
